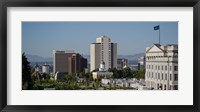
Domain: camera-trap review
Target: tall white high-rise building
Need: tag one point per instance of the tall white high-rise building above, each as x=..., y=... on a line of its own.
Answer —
x=162, y=67
x=103, y=50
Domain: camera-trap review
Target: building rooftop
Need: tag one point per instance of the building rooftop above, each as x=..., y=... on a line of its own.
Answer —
x=103, y=36
x=95, y=43
x=164, y=47
x=65, y=51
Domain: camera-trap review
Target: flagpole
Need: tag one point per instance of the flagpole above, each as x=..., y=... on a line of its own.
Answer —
x=159, y=34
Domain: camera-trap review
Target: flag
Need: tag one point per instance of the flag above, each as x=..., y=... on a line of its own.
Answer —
x=157, y=27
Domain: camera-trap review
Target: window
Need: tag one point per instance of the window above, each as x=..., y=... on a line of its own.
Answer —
x=162, y=77
x=170, y=77
x=158, y=75
x=162, y=68
x=170, y=68
x=165, y=87
x=158, y=67
x=175, y=77
x=176, y=87
x=175, y=68
x=165, y=76
x=165, y=67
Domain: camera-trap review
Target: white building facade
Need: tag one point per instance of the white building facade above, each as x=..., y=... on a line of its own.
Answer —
x=46, y=69
x=103, y=50
x=162, y=67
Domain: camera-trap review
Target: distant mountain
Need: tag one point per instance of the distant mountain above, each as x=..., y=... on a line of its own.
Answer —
x=36, y=58
x=129, y=57
x=132, y=57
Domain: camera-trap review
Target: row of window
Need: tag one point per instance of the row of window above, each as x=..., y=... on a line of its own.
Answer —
x=161, y=67
x=162, y=76
x=160, y=86
x=156, y=57
x=163, y=86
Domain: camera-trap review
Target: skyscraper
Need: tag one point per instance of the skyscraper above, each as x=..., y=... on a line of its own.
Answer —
x=68, y=62
x=103, y=50
x=60, y=60
x=76, y=63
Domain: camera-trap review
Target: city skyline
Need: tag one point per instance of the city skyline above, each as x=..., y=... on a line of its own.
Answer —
x=41, y=38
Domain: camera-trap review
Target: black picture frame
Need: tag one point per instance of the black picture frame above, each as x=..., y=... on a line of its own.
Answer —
x=100, y=3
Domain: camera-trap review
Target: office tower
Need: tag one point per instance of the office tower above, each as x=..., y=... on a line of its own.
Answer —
x=60, y=60
x=162, y=67
x=103, y=50
x=76, y=63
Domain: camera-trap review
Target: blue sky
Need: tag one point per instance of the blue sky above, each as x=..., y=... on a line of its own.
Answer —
x=41, y=38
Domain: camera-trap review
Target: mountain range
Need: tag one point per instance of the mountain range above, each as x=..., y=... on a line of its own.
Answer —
x=36, y=58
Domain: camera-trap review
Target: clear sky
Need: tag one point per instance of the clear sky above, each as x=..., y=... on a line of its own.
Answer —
x=41, y=38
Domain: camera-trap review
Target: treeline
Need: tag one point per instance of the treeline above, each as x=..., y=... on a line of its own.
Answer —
x=127, y=73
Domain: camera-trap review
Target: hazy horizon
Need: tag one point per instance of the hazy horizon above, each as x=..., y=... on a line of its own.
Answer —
x=83, y=55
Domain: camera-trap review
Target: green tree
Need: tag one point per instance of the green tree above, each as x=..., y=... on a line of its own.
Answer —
x=127, y=72
x=110, y=70
x=46, y=76
x=115, y=72
x=95, y=70
x=70, y=77
x=27, y=82
x=139, y=74
x=88, y=76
